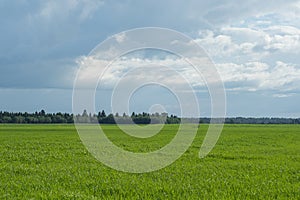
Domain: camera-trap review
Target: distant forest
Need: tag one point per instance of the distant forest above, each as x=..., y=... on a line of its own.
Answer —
x=138, y=118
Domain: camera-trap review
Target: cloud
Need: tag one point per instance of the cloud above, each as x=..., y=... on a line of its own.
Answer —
x=241, y=44
x=256, y=76
x=232, y=32
x=254, y=44
x=283, y=95
x=50, y=10
x=284, y=77
x=229, y=12
x=284, y=41
x=251, y=76
x=168, y=71
x=120, y=37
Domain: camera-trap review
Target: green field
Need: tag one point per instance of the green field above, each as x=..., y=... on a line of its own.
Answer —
x=248, y=162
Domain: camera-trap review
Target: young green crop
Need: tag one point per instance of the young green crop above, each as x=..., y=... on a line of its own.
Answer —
x=248, y=162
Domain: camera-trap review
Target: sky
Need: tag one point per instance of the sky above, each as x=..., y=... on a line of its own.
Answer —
x=255, y=46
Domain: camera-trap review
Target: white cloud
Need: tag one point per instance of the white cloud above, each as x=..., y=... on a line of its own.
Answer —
x=260, y=76
x=89, y=7
x=121, y=37
x=251, y=76
x=283, y=77
x=168, y=71
x=230, y=12
x=283, y=95
x=250, y=43
x=52, y=10
x=217, y=45
x=286, y=43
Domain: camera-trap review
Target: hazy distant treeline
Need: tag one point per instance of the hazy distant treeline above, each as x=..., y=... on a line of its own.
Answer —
x=138, y=118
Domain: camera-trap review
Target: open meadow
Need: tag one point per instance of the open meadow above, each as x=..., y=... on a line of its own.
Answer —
x=248, y=162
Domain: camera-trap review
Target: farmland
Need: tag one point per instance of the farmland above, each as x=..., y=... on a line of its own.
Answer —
x=248, y=162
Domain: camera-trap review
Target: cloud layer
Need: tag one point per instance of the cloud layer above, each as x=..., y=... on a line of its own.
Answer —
x=255, y=45
x=250, y=76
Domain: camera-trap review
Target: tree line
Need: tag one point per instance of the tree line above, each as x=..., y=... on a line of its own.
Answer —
x=35, y=118
x=57, y=118
x=136, y=118
x=101, y=117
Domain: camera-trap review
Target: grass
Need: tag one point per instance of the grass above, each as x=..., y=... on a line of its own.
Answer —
x=248, y=162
